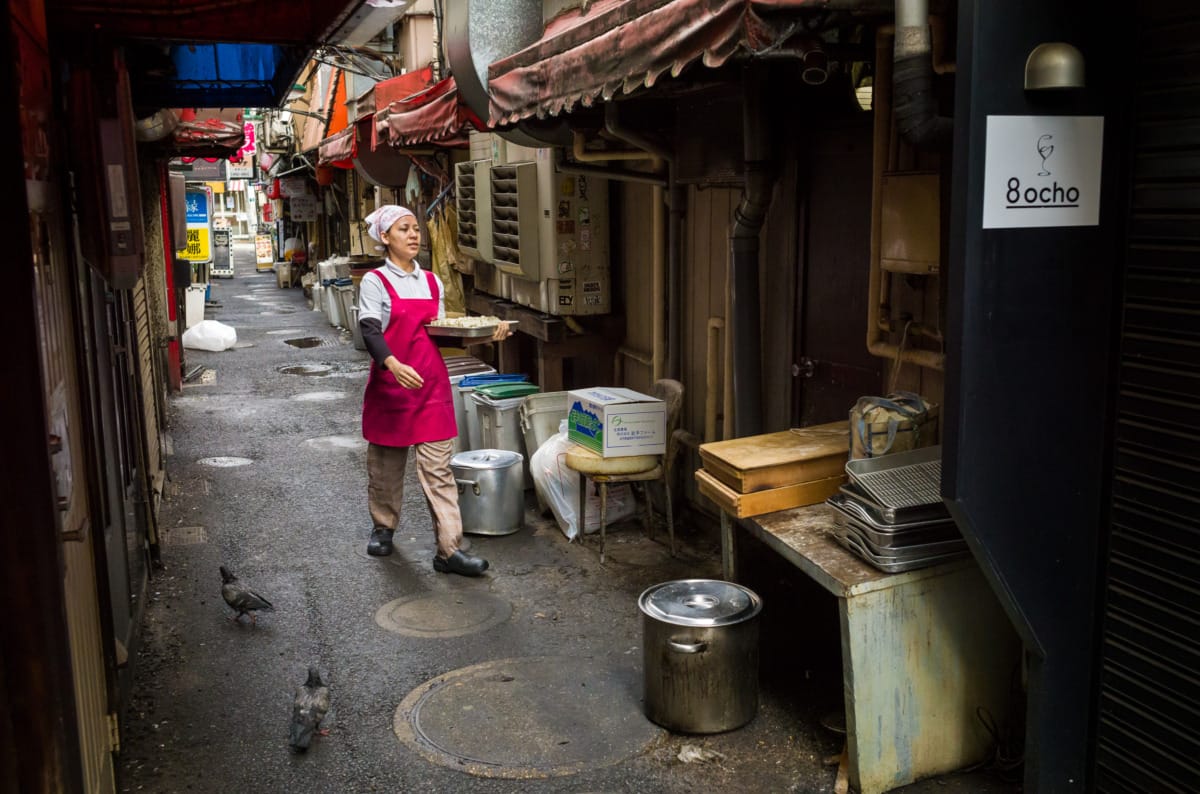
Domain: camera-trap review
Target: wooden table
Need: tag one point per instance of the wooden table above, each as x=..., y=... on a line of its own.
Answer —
x=921, y=650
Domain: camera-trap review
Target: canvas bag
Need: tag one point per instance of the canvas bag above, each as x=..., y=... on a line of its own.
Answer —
x=896, y=423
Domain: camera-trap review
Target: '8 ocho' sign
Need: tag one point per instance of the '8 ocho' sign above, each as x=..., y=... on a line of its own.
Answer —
x=1042, y=171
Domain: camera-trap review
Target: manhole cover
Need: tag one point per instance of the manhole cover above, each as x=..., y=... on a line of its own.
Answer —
x=331, y=443
x=304, y=341
x=306, y=369
x=439, y=615
x=184, y=536
x=224, y=462
x=527, y=718
x=319, y=396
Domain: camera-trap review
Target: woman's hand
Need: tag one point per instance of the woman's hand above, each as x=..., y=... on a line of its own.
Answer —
x=502, y=332
x=405, y=375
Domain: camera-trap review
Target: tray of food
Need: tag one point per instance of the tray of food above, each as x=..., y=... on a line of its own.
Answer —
x=466, y=327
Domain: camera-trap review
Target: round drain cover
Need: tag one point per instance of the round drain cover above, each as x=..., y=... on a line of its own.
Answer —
x=438, y=615
x=527, y=718
x=225, y=462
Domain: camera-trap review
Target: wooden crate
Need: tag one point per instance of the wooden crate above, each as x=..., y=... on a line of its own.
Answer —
x=774, y=460
x=744, y=505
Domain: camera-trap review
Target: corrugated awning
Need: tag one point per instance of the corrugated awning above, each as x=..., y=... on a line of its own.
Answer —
x=433, y=115
x=614, y=46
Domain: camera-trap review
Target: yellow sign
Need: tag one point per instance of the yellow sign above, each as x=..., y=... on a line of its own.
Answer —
x=197, y=249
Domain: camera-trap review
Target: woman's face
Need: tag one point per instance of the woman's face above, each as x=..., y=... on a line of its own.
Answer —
x=404, y=238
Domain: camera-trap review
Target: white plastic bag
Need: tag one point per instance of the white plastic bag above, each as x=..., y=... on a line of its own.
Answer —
x=558, y=485
x=210, y=335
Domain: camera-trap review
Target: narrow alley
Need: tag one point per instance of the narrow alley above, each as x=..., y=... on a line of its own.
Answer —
x=526, y=679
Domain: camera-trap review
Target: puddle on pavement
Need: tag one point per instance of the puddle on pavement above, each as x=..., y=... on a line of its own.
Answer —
x=319, y=396
x=224, y=462
x=319, y=370
x=285, y=331
x=277, y=312
x=242, y=345
x=335, y=443
x=304, y=341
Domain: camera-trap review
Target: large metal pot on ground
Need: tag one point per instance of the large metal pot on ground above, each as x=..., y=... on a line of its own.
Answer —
x=491, y=492
x=700, y=654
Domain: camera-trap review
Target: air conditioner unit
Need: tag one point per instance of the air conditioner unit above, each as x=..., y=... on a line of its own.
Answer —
x=474, y=196
x=276, y=134
x=550, y=233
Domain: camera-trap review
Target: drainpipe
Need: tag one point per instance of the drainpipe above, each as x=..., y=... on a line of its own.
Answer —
x=915, y=103
x=665, y=264
x=600, y=172
x=748, y=219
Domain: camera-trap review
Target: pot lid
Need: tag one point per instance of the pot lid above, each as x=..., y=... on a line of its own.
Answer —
x=486, y=459
x=700, y=602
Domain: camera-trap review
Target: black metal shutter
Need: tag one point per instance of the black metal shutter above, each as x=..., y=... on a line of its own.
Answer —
x=1148, y=729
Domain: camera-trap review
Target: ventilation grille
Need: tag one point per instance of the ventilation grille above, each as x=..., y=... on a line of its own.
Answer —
x=468, y=220
x=515, y=219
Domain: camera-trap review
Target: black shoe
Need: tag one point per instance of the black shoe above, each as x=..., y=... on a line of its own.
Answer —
x=460, y=563
x=381, y=543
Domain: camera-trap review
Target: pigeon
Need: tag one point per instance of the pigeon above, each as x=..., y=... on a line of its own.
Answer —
x=311, y=706
x=242, y=599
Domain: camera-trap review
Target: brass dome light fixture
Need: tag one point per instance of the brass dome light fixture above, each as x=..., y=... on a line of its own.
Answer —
x=1054, y=65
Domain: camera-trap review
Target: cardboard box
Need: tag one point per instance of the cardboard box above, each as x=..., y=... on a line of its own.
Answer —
x=616, y=423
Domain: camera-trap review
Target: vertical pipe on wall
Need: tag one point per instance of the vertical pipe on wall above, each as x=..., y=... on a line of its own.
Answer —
x=711, y=377
x=748, y=220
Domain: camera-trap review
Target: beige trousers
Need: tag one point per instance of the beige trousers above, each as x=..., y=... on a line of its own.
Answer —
x=385, y=489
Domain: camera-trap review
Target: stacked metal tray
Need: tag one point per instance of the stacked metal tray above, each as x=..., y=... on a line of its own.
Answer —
x=891, y=513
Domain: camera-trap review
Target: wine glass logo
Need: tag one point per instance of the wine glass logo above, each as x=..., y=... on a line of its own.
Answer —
x=1044, y=150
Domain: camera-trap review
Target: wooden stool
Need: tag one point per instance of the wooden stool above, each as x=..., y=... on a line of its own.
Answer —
x=603, y=471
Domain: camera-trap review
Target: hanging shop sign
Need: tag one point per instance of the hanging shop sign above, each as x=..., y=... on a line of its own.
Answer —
x=197, y=246
x=1042, y=171
x=292, y=186
x=205, y=171
x=242, y=170
x=303, y=208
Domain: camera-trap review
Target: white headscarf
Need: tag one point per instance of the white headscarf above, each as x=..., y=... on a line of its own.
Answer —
x=382, y=219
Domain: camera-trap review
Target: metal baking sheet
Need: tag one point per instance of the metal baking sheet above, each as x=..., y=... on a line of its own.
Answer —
x=901, y=548
x=854, y=546
x=894, y=515
x=902, y=479
x=464, y=333
x=853, y=506
x=891, y=538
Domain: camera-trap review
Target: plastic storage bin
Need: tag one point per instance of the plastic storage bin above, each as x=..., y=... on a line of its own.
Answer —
x=499, y=423
x=194, y=304
x=467, y=386
x=541, y=414
x=331, y=303
x=344, y=293
x=461, y=368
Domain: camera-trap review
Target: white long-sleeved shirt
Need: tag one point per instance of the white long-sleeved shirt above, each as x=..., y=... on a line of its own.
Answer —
x=374, y=301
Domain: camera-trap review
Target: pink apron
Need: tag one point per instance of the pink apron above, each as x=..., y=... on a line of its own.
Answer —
x=394, y=416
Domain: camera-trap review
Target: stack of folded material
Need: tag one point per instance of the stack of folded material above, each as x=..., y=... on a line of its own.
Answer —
x=891, y=513
x=753, y=475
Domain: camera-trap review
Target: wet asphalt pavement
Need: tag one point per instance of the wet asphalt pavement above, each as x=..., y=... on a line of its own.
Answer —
x=527, y=679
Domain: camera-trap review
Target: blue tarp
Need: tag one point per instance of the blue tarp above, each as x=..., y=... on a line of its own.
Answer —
x=220, y=75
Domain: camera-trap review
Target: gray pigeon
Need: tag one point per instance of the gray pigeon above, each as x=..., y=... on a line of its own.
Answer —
x=242, y=599
x=311, y=706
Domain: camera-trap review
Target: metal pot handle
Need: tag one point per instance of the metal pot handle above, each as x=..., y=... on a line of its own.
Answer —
x=697, y=646
x=462, y=485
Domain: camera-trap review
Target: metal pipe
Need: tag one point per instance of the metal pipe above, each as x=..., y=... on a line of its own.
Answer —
x=617, y=175
x=677, y=206
x=748, y=219
x=711, y=370
x=877, y=325
x=915, y=102
x=582, y=155
x=658, y=261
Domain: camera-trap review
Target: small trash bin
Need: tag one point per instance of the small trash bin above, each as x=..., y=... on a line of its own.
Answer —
x=499, y=425
x=540, y=416
x=344, y=296
x=700, y=655
x=467, y=386
x=194, y=304
x=461, y=368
